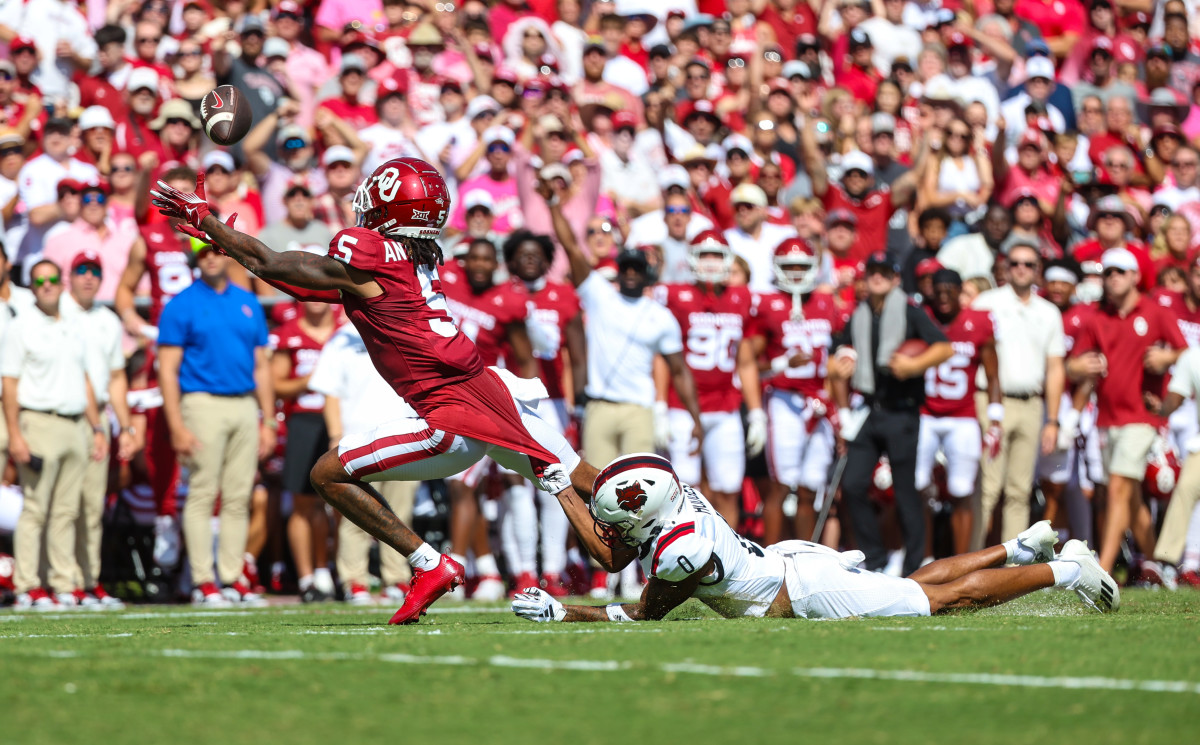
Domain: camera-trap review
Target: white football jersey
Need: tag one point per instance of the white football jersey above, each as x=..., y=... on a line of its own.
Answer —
x=745, y=579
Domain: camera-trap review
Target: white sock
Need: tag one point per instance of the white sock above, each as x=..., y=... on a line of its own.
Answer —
x=485, y=566
x=574, y=556
x=459, y=558
x=424, y=558
x=306, y=582
x=323, y=579
x=554, y=534
x=1018, y=554
x=1066, y=573
x=519, y=528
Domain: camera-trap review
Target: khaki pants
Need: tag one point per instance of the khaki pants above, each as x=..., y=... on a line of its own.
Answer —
x=88, y=528
x=611, y=430
x=224, y=463
x=354, y=543
x=1173, y=538
x=1011, y=472
x=51, y=500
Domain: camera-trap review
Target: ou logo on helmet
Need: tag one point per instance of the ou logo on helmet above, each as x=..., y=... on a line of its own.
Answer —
x=388, y=183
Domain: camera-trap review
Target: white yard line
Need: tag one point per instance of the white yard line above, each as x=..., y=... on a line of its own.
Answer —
x=686, y=668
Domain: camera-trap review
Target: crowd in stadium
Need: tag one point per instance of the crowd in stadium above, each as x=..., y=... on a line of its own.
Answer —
x=709, y=227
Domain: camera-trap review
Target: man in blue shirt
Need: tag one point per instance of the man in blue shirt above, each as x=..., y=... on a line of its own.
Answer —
x=212, y=365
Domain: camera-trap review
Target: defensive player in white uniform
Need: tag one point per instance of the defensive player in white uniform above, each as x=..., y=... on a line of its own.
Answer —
x=639, y=509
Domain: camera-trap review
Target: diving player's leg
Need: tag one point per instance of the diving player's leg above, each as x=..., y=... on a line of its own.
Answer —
x=1034, y=545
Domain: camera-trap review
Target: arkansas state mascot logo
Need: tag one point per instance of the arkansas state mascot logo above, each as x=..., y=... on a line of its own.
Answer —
x=632, y=497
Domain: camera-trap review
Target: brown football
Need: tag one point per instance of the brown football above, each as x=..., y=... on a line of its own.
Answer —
x=226, y=115
x=911, y=348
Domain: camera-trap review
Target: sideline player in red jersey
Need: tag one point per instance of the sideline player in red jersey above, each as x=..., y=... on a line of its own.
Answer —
x=385, y=274
x=554, y=324
x=949, y=421
x=793, y=328
x=713, y=318
x=492, y=316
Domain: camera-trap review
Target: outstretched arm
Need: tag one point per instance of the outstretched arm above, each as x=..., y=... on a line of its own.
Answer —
x=658, y=599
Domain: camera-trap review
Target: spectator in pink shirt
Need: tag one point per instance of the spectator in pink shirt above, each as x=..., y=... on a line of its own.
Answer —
x=1030, y=174
x=333, y=16
x=306, y=68
x=495, y=146
x=97, y=232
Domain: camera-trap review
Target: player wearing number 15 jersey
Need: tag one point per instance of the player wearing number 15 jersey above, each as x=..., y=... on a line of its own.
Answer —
x=948, y=417
x=641, y=511
x=713, y=318
x=385, y=272
x=793, y=329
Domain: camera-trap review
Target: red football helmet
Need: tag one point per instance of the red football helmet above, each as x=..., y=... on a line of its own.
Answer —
x=707, y=243
x=404, y=197
x=1162, y=472
x=795, y=264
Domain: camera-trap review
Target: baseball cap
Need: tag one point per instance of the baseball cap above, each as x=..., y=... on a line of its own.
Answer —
x=297, y=183
x=796, y=68
x=553, y=171
x=276, y=47
x=481, y=105
x=291, y=132
x=11, y=137
x=841, y=216
x=881, y=260
x=142, y=77
x=252, y=24
x=478, y=198
x=289, y=7
x=84, y=258
x=498, y=134
x=94, y=117
x=881, y=121
x=1032, y=137
x=928, y=266
x=21, y=42
x=337, y=154
x=1039, y=67
x=749, y=194
x=353, y=62
x=857, y=160
x=1102, y=44
x=595, y=42
x=389, y=87
x=859, y=39
x=737, y=142
x=673, y=175
x=1119, y=258
x=632, y=256
x=8, y=67
x=624, y=120
x=217, y=158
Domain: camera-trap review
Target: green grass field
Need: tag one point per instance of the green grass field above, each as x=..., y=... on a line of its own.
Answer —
x=1040, y=670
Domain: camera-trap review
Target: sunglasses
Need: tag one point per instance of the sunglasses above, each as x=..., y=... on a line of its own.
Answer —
x=94, y=197
x=193, y=52
x=498, y=147
x=86, y=269
x=605, y=228
x=217, y=169
x=294, y=143
x=698, y=77
x=1185, y=163
x=882, y=270
x=40, y=282
x=115, y=169
x=293, y=16
x=742, y=206
x=678, y=210
x=5, y=152
x=149, y=40
x=958, y=135
x=178, y=120
x=6, y=75
x=1023, y=264
x=1114, y=270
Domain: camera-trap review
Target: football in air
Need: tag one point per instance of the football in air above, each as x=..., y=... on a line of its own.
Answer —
x=226, y=115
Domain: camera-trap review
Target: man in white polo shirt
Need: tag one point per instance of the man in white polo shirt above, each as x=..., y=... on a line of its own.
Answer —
x=358, y=399
x=1030, y=346
x=755, y=239
x=47, y=398
x=106, y=370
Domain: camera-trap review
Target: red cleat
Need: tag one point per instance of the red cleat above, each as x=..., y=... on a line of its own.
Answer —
x=1189, y=579
x=427, y=587
x=523, y=580
x=553, y=584
x=577, y=579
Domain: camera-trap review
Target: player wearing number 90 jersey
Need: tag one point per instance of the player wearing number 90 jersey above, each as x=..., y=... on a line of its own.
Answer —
x=713, y=318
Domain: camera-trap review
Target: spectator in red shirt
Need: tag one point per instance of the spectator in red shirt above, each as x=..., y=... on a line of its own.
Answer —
x=714, y=190
x=147, y=37
x=105, y=87
x=175, y=125
x=1060, y=21
x=133, y=129
x=872, y=205
x=19, y=115
x=789, y=19
x=96, y=127
x=1111, y=222
x=1126, y=346
x=860, y=77
x=349, y=107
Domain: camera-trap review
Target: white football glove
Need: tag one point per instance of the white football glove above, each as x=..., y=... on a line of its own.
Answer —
x=756, y=432
x=537, y=605
x=662, y=425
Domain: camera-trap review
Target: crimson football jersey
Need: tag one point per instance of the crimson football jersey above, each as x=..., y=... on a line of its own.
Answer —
x=712, y=327
x=167, y=264
x=950, y=386
x=303, y=351
x=1189, y=320
x=551, y=309
x=407, y=330
x=485, y=316
x=811, y=334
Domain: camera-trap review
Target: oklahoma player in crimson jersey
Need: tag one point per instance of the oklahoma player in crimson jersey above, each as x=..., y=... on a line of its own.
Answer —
x=492, y=316
x=713, y=318
x=554, y=324
x=949, y=421
x=793, y=328
x=385, y=273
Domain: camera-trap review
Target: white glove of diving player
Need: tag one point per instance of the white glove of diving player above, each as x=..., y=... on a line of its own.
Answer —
x=662, y=425
x=537, y=605
x=756, y=432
